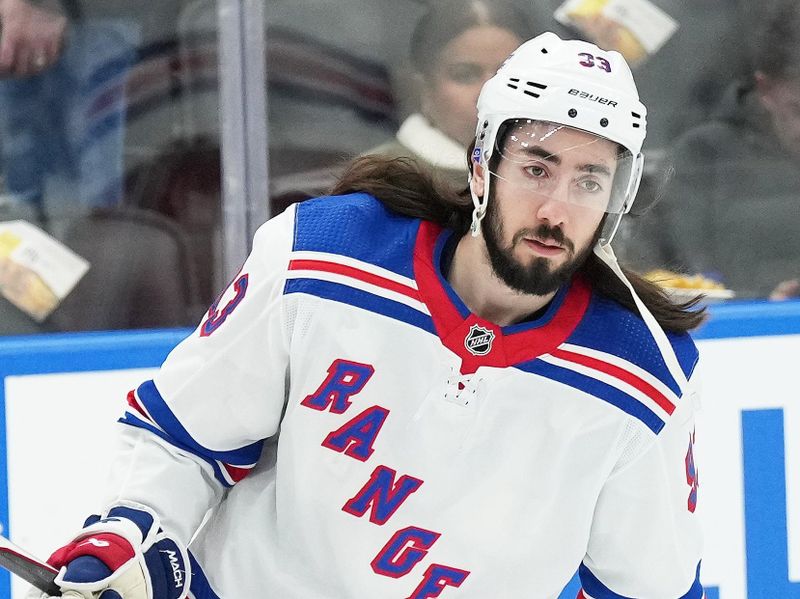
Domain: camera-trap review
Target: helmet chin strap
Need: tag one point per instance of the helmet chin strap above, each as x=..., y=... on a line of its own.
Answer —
x=603, y=251
x=480, y=203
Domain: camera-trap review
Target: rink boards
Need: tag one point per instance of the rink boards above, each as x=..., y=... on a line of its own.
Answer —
x=63, y=393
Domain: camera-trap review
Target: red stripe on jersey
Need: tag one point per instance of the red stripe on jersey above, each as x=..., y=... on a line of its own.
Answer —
x=580, y=595
x=236, y=473
x=134, y=403
x=619, y=373
x=354, y=273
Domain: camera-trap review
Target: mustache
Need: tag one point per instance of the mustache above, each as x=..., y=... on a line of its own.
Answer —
x=545, y=233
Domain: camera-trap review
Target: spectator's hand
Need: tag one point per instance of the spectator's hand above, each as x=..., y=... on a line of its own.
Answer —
x=31, y=38
x=786, y=290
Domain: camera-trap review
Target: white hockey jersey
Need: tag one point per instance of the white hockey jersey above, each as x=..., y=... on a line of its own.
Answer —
x=357, y=433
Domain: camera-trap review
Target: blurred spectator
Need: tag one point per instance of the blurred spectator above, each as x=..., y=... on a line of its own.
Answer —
x=62, y=105
x=456, y=46
x=329, y=93
x=329, y=89
x=329, y=97
x=65, y=69
x=733, y=208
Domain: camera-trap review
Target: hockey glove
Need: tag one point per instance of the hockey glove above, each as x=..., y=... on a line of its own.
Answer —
x=123, y=555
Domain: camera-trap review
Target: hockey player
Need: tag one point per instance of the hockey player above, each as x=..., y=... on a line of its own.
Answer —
x=407, y=394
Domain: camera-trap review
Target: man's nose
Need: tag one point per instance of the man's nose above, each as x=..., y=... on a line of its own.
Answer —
x=553, y=206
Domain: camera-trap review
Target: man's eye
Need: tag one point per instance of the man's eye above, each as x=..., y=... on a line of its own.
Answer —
x=535, y=171
x=590, y=185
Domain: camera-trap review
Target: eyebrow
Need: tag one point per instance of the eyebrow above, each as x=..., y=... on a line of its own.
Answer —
x=539, y=151
x=600, y=169
x=542, y=153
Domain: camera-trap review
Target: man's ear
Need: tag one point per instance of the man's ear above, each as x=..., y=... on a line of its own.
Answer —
x=476, y=180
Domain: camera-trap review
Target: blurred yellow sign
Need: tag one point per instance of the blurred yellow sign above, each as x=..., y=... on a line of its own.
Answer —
x=36, y=271
x=634, y=28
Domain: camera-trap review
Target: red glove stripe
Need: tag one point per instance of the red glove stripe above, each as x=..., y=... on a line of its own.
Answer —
x=111, y=549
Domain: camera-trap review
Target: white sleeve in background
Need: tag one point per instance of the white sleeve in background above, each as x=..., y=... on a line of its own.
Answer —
x=645, y=538
x=199, y=425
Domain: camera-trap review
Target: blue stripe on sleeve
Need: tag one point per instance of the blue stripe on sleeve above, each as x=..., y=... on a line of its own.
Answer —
x=158, y=409
x=175, y=434
x=133, y=420
x=598, y=590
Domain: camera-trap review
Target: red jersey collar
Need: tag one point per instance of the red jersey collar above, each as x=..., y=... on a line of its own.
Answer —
x=479, y=342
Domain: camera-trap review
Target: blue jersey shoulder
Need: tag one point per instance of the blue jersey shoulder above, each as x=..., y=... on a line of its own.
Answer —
x=611, y=328
x=359, y=226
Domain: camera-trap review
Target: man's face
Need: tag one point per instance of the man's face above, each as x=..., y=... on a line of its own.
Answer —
x=549, y=195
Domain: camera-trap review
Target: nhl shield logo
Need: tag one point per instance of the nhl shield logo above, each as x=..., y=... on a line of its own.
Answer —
x=479, y=340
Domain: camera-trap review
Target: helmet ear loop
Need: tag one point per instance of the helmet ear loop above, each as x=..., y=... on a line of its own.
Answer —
x=480, y=204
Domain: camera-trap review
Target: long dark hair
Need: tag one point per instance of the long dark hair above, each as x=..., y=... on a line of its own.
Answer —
x=407, y=188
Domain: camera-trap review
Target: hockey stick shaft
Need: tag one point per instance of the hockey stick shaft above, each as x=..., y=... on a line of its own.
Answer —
x=38, y=573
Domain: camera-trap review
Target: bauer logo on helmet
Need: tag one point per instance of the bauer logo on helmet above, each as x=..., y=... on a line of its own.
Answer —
x=592, y=97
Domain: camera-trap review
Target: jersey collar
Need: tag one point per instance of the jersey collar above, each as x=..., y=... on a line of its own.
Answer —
x=475, y=340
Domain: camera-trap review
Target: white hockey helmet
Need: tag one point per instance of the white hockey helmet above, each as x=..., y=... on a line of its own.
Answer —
x=570, y=83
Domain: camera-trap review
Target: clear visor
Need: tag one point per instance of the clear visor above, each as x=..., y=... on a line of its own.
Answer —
x=548, y=160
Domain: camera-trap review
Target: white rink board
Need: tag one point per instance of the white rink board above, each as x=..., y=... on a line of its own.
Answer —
x=752, y=373
x=59, y=427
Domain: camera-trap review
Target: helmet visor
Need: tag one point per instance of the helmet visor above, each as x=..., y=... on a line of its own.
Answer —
x=556, y=162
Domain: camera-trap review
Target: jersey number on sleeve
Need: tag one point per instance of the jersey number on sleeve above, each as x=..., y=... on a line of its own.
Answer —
x=215, y=316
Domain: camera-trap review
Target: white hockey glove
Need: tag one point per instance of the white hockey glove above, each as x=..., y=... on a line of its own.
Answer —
x=123, y=554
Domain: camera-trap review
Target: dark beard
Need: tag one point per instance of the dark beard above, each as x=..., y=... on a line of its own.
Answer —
x=537, y=278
